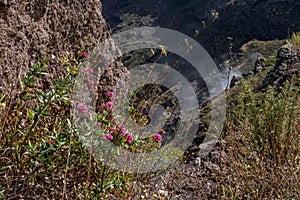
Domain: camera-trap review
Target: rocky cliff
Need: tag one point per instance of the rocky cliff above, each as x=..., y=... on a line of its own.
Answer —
x=287, y=67
x=54, y=29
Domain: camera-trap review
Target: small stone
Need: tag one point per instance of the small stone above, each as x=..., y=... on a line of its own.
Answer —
x=259, y=64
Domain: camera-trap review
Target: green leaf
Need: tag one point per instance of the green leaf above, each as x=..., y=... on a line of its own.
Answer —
x=41, y=97
x=29, y=79
x=31, y=114
x=26, y=96
x=44, y=68
x=44, y=61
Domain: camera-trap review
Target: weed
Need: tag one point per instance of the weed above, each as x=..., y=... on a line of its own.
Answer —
x=39, y=143
x=263, y=139
x=295, y=40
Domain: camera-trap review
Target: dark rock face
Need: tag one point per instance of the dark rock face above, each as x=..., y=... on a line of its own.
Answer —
x=248, y=74
x=287, y=55
x=259, y=64
x=55, y=29
x=234, y=81
x=287, y=66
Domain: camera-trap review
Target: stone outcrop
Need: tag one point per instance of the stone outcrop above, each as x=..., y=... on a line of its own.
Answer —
x=55, y=29
x=287, y=66
x=234, y=81
x=260, y=64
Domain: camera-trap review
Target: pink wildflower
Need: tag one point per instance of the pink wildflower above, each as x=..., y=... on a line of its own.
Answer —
x=90, y=83
x=109, y=137
x=83, y=69
x=85, y=54
x=99, y=124
x=122, y=127
x=110, y=95
x=102, y=106
x=157, y=137
x=110, y=105
x=124, y=132
x=91, y=71
x=51, y=141
x=112, y=129
x=82, y=107
x=110, y=116
x=129, y=138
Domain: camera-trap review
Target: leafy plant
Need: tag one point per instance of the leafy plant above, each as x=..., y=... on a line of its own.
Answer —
x=271, y=60
x=295, y=40
x=39, y=139
x=269, y=117
x=263, y=135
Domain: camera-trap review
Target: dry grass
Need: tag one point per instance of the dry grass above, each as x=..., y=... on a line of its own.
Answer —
x=41, y=156
x=263, y=136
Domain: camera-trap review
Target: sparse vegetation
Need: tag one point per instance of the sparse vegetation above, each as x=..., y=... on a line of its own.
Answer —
x=255, y=44
x=271, y=60
x=263, y=143
x=40, y=148
x=295, y=40
x=42, y=156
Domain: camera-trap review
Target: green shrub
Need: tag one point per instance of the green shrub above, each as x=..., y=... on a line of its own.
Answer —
x=40, y=147
x=295, y=40
x=269, y=119
x=263, y=143
x=271, y=60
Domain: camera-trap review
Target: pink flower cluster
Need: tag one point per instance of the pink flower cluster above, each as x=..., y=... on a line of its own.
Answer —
x=91, y=71
x=81, y=107
x=109, y=105
x=90, y=84
x=129, y=138
x=109, y=137
x=85, y=54
x=111, y=95
x=51, y=141
x=87, y=70
x=121, y=131
x=115, y=131
x=124, y=133
x=157, y=137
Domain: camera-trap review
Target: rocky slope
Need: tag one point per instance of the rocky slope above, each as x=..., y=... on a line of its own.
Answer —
x=206, y=178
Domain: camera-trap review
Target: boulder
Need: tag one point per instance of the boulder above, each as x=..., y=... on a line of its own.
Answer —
x=287, y=66
x=234, y=81
x=259, y=64
x=54, y=29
